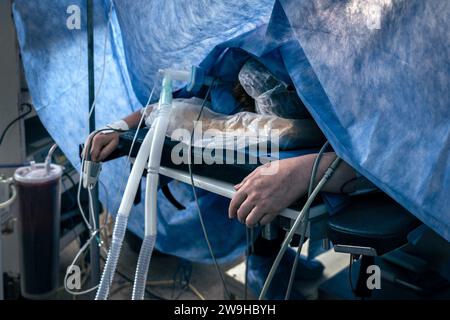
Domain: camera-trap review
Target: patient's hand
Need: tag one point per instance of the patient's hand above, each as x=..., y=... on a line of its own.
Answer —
x=260, y=197
x=102, y=145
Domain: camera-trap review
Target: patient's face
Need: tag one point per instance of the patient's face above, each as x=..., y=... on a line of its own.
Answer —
x=247, y=103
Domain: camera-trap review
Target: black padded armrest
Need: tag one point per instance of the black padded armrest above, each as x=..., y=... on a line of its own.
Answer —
x=229, y=172
x=372, y=220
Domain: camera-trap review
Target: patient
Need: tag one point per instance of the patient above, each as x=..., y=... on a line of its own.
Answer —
x=259, y=197
x=242, y=129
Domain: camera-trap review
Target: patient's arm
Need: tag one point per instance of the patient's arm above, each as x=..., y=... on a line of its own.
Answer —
x=104, y=144
x=260, y=197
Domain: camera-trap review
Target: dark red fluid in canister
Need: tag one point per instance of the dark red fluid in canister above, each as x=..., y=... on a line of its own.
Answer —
x=39, y=196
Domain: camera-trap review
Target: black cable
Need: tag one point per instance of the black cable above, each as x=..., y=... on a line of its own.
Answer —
x=248, y=252
x=73, y=193
x=14, y=165
x=74, y=185
x=148, y=291
x=219, y=271
x=30, y=108
x=350, y=278
x=342, y=189
x=181, y=278
x=170, y=197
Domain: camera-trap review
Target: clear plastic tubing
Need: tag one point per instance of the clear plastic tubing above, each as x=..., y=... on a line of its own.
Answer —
x=122, y=217
x=160, y=125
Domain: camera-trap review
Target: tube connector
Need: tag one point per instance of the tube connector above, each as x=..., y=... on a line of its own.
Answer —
x=172, y=74
x=165, y=100
x=195, y=78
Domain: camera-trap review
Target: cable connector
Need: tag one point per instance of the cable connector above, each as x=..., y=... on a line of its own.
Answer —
x=332, y=168
x=91, y=172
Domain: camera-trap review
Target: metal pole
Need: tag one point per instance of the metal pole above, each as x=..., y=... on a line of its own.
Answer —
x=94, y=248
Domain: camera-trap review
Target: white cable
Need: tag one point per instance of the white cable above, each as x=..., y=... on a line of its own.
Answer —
x=8, y=202
x=69, y=269
x=298, y=220
x=93, y=229
x=80, y=207
x=305, y=221
x=90, y=113
x=91, y=206
x=104, y=61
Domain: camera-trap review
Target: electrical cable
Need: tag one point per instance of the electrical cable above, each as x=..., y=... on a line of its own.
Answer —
x=316, y=167
x=104, y=60
x=305, y=220
x=87, y=150
x=107, y=218
x=69, y=191
x=107, y=196
x=345, y=184
x=72, y=182
x=216, y=264
x=127, y=161
x=118, y=234
x=350, y=278
x=93, y=229
x=248, y=252
x=69, y=269
x=328, y=174
x=9, y=125
x=91, y=206
x=80, y=207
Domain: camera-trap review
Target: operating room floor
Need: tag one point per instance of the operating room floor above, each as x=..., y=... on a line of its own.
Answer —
x=205, y=283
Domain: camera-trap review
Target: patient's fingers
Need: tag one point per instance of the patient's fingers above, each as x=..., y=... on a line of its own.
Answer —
x=254, y=217
x=238, y=198
x=267, y=218
x=239, y=185
x=95, y=148
x=106, y=151
x=243, y=211
x=87, y=144
x=98, y=142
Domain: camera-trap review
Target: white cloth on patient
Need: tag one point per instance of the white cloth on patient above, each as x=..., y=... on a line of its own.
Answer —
x=240, y=129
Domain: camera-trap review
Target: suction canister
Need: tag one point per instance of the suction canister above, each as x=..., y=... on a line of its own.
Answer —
x=39, y=195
